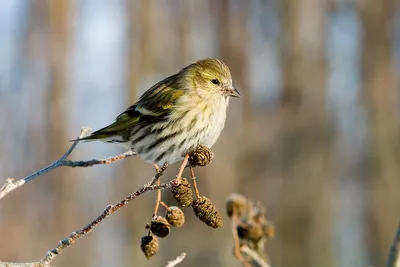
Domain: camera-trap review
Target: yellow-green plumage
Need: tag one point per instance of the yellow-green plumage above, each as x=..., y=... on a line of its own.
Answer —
x=176, y=114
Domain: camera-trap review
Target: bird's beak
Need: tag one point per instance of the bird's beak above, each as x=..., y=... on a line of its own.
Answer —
x=232, y=92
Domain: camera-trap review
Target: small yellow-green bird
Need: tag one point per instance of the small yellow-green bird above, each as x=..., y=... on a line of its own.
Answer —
x=176, y=115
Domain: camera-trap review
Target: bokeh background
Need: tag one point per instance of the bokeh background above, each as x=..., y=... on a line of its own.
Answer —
x=315, y=136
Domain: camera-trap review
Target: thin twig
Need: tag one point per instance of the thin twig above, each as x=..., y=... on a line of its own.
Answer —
x=176, y=261
x=394, y=254
x=92, y=162
x=10, y=184
x=65, y=243
x=158, y=175
x=196, y=190
x=157, y=203
x=236, y=241
x=25, y=264
x=162, y=203
x=183, y=166
x=156, y=179
x=158, y=192
x=157, y=200
x=70, y=240
x=260, y=261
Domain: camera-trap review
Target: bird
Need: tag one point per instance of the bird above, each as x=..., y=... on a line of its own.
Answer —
x=175, y=115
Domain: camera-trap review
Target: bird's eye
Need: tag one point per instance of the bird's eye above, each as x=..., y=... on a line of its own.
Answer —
x=215, y=81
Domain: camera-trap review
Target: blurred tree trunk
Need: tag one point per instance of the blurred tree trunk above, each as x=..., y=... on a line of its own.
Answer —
x=65, y=207
x=138, y=62
x=233, y=43
x=233, y=34
x=381, y=100
x=133, y=55
x=20, y=151
x=184, y=31
x=145, y=36
x=303, y=226
x=59, y=22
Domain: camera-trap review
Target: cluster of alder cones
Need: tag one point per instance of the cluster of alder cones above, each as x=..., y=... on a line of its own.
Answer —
x=160, y=226
x=252, y=229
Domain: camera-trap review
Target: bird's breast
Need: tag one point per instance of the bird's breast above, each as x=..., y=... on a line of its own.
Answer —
x=206, y=120
x=185, y=129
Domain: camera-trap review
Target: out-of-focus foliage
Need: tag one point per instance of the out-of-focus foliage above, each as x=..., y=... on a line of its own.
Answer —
x=314, y=137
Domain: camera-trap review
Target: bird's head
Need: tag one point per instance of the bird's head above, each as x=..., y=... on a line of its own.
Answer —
x=210, y=77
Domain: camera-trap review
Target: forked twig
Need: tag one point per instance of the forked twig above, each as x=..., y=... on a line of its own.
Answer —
x=10, y=184
x=158, y=175
x=67, y=242
x=193, y=177
x=63, y=244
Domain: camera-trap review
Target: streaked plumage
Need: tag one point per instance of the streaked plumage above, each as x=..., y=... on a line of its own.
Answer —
x=175, y=115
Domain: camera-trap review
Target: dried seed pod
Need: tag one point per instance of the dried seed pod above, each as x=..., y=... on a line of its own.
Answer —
x=182, y=193
x=239, y=203
x=259, y=213
x=160, y=226
x=149, y=246
x=269, y=230
x=202, y=156
x=253, y=232
x=175, y=216
x=206, y=212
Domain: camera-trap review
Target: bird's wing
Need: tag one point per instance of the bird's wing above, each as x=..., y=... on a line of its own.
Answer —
x=159, y=99
x=153, y=106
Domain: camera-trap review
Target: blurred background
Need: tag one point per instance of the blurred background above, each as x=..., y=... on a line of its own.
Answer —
x=315, y=136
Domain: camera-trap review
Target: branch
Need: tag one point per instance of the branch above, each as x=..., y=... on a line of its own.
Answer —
x=27, y=264
x=70, y=240
x=236, y=241
x=394, y=254
x=260, y=261
x=178, y=260
x=65, y=243
x=92, y=162
x=10, y=184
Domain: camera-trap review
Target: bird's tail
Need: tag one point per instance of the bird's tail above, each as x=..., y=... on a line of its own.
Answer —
x=117, y=131
x=105, y=134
